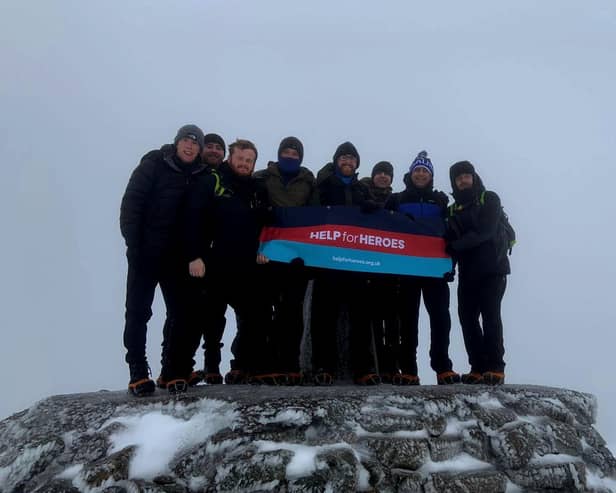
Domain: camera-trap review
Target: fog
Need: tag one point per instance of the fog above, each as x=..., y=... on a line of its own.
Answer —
x=524, y=90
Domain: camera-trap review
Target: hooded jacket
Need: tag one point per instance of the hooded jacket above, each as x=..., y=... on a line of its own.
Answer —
x=301, y=190
x=333, y=191
x=472, y=232
x=377, y=196
x=153, y=203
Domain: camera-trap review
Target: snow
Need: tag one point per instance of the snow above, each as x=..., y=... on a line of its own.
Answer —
x=549, y=459
x=460, y=463
x=291, y=416
x=20, y=468
x=595, y=481
x=456, y=427
x=158, y=437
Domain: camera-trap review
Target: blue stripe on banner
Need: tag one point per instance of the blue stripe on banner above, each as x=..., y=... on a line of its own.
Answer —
x=355, y=260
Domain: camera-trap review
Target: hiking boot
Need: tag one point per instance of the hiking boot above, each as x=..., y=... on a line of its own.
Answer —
x=235, y=377
x=294, y=378
x=368, y=379
x=321, y=377
x=195, y=378
x=268, y=379
x=404, y=379
x=212, y=378
x=494, y=378
x=161, y=383
x=177, y=386
x=385, y=377
x=140, y=383
x=472, y=378
x=447, y=378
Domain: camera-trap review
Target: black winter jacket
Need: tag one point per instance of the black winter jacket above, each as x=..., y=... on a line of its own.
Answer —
x=223, y=222
x=152, y=206
x=333, y=191
x=471, y=234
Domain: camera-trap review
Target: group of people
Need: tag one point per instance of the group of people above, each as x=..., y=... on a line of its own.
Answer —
x=191, y=221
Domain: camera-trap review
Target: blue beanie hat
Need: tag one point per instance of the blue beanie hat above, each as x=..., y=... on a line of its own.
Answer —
x=422, y=161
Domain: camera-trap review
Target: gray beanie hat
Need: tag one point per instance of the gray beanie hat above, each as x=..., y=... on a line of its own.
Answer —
x=192, y=132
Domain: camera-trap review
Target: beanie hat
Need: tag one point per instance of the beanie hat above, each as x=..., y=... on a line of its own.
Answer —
x=460, y=168
x=343, y=150
x=214, y=139
x=383, y=167
x=192, y=132
x=422, y=161
x=292, y=143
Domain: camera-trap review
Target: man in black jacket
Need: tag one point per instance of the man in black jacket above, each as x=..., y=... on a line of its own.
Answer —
x=221, y=232
x=338, y=185
x=473, y=225
x=150, y=224
x=421, y=200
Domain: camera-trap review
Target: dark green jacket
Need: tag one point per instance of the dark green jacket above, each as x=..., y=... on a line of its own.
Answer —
x=375, y=194
x=299, y=191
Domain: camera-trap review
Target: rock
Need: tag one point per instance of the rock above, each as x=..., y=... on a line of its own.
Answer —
x=303, y=439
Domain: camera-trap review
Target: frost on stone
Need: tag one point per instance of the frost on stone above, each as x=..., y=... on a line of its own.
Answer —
x=426, y=439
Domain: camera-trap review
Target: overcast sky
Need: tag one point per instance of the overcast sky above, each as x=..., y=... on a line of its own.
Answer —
x=524, y=89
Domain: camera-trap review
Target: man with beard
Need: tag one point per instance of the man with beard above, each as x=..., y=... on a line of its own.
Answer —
x=338, y=186
x=150, y=223
x=420, y=200
x=285, y=183
x=222, y=228
x=472, y=234
x=213, y=152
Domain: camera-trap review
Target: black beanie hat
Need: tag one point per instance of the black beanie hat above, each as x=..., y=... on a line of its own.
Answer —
x=460, y=168
x=292, y=143
x=383, y=167
x=215, y=139
x=344, y=149
x=192, y=132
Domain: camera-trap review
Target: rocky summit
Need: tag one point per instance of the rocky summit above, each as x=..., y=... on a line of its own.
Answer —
x=309, y=439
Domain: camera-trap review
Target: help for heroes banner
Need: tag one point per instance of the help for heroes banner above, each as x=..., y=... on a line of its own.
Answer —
x=345, y=238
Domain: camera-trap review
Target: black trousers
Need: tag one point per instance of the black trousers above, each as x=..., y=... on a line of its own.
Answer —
x=141, y=285
x=483, y=342
x=284, y=286
x=436, y=299
x=206, y=319
x=383, y=293
x=331, y=292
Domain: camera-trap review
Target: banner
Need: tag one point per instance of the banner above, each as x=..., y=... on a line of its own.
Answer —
x=344, y=238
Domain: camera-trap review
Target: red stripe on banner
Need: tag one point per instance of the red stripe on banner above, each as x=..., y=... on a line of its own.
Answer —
x=338, y=235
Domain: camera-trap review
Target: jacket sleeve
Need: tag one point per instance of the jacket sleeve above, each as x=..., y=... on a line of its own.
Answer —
x=486, y=225
x=134, y=203
x=198, y=219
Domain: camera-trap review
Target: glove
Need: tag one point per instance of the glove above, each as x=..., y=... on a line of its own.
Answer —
x=297, y=263
x=449, y=276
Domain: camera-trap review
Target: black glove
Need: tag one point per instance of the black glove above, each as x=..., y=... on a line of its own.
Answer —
x=449, y=276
